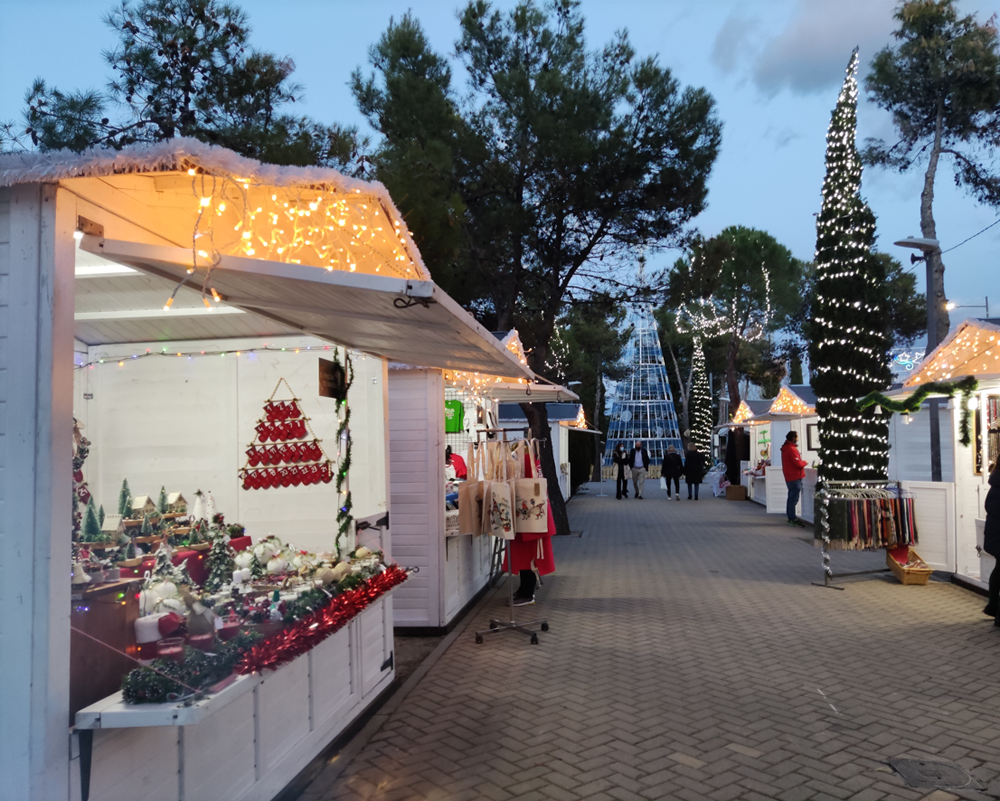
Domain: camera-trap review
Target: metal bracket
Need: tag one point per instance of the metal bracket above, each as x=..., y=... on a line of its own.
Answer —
x=388, y=662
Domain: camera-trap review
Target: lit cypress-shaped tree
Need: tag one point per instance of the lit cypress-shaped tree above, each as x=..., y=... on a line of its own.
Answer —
x=700, y=401
x=849, y=330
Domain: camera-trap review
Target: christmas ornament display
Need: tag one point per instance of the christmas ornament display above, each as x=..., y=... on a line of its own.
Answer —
x=285, y=452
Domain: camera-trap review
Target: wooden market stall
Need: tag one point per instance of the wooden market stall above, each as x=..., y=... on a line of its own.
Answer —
x=793, y=409
x=950, y=512
x=158, y=294
x=429, y=411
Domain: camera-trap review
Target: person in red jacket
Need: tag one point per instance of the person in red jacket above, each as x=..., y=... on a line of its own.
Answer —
x=794, y=469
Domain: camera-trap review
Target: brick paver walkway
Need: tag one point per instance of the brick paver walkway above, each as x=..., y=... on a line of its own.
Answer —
x=689, y=658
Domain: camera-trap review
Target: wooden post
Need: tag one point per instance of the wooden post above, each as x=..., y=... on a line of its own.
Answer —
x=36, y=430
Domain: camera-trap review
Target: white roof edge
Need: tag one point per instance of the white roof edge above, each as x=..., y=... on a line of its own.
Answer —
x=982, y=325
x=183, y=153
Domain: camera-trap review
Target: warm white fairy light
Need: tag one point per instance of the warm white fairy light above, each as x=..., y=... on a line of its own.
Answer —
x=849, y=350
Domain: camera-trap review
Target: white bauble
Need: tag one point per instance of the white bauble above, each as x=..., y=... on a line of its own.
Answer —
x=361, y=553
x=277, y=565
x=165, y=589
x=243, y=559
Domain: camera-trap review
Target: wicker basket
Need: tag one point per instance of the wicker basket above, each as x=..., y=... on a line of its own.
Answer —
x=915, y=571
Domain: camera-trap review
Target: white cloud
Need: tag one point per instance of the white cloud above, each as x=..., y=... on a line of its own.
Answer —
x=810, y=52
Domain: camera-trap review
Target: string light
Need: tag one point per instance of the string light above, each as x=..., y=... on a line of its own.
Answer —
x=743, y=413
x=849, y=348
x=248, y=352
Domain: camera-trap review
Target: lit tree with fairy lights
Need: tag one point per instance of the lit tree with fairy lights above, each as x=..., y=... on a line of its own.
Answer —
x=849, y=330
x=700, y=400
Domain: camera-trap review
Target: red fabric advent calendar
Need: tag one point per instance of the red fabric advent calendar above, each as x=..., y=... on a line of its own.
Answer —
x=285, y=452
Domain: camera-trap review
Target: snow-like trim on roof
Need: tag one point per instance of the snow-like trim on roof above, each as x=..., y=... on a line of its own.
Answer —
x=184, y=153
x=946, y=345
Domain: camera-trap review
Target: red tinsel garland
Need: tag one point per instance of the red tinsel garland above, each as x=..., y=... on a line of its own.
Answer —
x=305, y=634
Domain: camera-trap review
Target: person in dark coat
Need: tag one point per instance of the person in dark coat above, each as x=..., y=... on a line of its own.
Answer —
x=621, y=483
x=673, y=467
x=991, y=541
x=694, y=469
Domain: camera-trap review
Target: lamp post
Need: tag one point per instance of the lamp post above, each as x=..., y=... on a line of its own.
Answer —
x=929, y=247
x=952, y=306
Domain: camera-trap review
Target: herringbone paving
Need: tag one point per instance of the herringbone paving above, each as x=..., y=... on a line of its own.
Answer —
x=690, y=658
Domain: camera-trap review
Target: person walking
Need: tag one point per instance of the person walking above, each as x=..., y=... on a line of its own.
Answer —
x=694, y=469
x=794, y=469
x=991, y=542
x=620, y=458
x=638, y=461
x=673, y=466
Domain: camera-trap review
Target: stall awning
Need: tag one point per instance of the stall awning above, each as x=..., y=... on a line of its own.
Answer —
x=404, y=320
x=512, y=392
x=972, y=349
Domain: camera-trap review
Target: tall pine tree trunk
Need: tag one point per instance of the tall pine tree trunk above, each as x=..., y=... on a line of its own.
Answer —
x=537, y=415
x=936, y=300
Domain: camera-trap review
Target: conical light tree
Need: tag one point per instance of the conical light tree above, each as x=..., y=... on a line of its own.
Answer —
x=700, y=400
x=849, y=329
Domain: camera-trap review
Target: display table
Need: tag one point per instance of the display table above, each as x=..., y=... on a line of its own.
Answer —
x=196, y=566
x=251, y=738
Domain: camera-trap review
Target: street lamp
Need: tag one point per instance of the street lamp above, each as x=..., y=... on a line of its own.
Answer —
x=929, y=247
x=952, y=306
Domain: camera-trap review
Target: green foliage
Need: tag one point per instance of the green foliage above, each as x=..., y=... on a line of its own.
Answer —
x=91, y=524
x=147, y=527
x=186, y=68
x=737, y=287
x=125, y=499
x=221, y=564
x=943, y=69
x=166, y=679
x=557, y=163
x=700, y=401
x=912, y=404
x=163, y=567
x=100, y=515
x=850, y=331
x=907, y=308
x=161, y=503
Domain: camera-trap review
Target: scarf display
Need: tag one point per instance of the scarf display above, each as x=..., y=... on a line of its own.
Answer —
x=868, y=519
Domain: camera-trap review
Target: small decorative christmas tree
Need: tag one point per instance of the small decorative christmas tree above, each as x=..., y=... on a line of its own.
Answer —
x=221, y=565
x=180, y=574
x=100, y=515
x=91, y=525
x=163, y=568
x=161, y=502
x=700, y=401
x=125, y=499
x=147, y=527
x=257, y=570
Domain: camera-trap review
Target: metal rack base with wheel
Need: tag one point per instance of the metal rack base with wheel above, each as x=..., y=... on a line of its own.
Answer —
x=497, y=626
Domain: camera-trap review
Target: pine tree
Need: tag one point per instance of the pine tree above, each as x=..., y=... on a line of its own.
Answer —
x=180, y=574
x=147, y=527
x=221, y=565
x=100, y=515
x=700, y=401
x=161, y=503
x=124, y=499
x=849, y=330
x=91, y=525
x=257, y=570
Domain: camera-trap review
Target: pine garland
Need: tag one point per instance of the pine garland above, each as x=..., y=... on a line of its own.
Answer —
x=965, y=387
x=344, y=516
x=849, y=336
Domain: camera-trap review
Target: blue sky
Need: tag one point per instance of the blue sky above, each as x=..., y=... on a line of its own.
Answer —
x=774, y=67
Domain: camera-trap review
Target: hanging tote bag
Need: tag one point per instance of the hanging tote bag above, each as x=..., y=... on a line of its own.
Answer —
x=531, y=496
x=501, y=502
x=470, y=496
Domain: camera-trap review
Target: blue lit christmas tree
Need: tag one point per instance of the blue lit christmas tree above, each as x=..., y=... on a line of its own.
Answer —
x=642, y=407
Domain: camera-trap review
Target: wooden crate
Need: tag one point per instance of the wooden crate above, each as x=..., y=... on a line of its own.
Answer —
x=915, y=571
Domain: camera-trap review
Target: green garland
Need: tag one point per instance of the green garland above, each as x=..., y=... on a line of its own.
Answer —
x=966, y=387
x=344, y=516
x=199, y=670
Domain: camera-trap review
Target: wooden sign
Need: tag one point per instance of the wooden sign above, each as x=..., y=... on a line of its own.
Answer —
x=332, y=380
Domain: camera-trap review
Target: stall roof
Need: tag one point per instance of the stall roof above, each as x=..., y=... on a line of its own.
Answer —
x=558, y=412
x=404, y=320
x=972, y=349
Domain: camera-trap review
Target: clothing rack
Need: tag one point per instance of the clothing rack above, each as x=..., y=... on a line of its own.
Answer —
x=847, y=490
x=511, y=624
